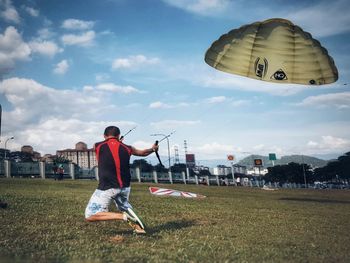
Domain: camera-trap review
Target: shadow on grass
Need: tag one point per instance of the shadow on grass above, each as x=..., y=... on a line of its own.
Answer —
x=171, y=226
x=323, y=201
x=168, y=226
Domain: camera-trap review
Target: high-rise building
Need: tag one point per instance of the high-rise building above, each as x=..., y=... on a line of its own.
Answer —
x=27, y=149
x=81, y=155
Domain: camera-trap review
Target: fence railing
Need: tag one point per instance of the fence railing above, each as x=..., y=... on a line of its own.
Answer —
x=45, y=170
x=71, y=171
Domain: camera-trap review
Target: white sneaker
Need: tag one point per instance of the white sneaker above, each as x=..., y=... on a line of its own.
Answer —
x=134, y=221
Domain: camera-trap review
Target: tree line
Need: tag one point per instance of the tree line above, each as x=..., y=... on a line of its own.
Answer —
x=336, y=171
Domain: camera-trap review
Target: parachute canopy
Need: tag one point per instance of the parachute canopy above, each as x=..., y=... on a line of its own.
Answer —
x=170, y=192
x=274, y=50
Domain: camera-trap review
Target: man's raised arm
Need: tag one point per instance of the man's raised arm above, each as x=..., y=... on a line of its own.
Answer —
x=144, y=152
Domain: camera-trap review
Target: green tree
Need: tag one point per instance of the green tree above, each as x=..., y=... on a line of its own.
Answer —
x=60, y=159
x=21, y=156
x=143, y=165
x=344, y=166
x=178, y=168
x=160, y=168
x=290, y=173
x=339, y=169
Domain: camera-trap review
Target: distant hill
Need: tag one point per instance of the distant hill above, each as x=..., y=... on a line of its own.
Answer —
x=312, y=161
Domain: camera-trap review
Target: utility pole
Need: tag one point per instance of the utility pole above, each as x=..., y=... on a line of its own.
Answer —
x=11, y=138
x=0, y=120
x=187, y=168
x=302, y=160
x=177, y=159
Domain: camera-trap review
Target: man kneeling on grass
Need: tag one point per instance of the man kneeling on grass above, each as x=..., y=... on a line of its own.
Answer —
x=113, y=158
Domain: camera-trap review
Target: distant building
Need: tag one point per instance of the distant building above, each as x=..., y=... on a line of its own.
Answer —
x=255, y=171
x=19, y=156
x=81, y=155
x=27, y=154
x=48, y=158
x=2, y=153
x=81, y=146
x=240, y=169
x=202, y=170
x=36, y=156
x=221, y=170
x=190, y=160
x=27, y=149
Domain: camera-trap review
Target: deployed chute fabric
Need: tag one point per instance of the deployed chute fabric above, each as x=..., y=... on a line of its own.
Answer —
x=274, y=50
x=170, y=192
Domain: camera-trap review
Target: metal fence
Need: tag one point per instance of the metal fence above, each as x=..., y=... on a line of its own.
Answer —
x=72, y=171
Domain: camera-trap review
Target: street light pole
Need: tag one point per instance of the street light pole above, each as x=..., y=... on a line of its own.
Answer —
x=167, y=139
x=11, y=138
x=302, y=160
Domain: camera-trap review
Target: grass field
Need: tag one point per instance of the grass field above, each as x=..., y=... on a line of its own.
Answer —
x=45, y=223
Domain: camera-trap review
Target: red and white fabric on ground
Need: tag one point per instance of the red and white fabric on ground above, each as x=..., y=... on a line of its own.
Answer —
x=170, y=192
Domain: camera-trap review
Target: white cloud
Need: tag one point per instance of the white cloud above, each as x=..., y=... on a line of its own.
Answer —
x=329, y=144
x=172, y=124
x=133, y=105
x=144, y=145
x=211, y=100
x=217, y=99
x=53, y=134
x=52, y=118
x=46, y=48
x=101, y=77
x=335, y=100
x=133, y=62
x=321, y=19
x=202, y=7
x=12, y=49
x=111, y=87
x=45, y=33
x=205, y=76
x=76, y=24
x=260, y=147
x=84, y=39
x=159, y=105
x=328, y=18
x=47, y=22
x=215, y=148
x=216, y=79
x=8, y=12
x=162, y=105
x=61, y=68
x=33, y=12
x=240, y=103
x=32, y=101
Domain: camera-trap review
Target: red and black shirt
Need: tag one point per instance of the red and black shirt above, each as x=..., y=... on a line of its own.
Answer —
x=113, y=159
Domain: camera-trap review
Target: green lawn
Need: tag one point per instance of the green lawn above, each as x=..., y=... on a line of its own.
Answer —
x=45, y=223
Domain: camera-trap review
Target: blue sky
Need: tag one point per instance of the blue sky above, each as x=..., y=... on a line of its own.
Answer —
x=68, y=69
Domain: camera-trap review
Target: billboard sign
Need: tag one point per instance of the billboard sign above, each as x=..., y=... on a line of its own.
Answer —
x=230, y=157
x=272, y=157
x=190, y=160
x=258, y=162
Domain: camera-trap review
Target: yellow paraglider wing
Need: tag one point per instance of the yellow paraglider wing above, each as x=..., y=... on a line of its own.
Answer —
x=274, y=50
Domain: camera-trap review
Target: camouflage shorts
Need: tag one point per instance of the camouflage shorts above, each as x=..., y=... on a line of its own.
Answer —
x=101, y=199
